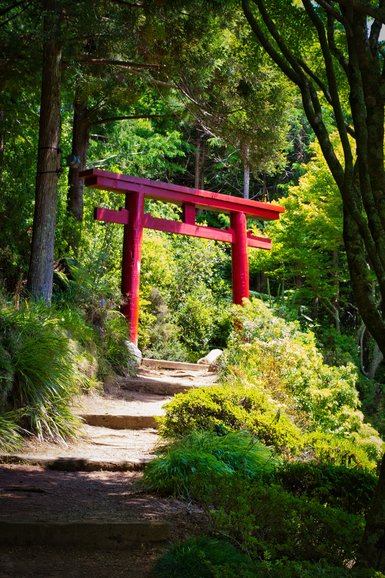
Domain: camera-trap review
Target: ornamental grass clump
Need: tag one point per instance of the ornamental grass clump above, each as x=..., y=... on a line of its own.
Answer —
x=192, y=465
x=38, y=375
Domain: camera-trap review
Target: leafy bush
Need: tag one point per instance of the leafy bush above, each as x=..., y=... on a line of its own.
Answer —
x=270, y=523
x=231, y=408
x=341, y=451
x=336, y=486
x=192, y=465
x=212, y=558
x=204, y=557
x=41, y=372
x=277, y=357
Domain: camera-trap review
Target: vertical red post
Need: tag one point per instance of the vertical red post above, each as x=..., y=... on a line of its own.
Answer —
x=132, y=257
x=240, y=263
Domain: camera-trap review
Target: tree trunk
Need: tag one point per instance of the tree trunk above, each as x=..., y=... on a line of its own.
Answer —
x=246, y=174
x=372, y=548
x=40, y=277
x=197, y=163
x=80, y=142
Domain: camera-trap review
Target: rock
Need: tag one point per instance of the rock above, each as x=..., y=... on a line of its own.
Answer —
x=211, y=358
x=136, y=354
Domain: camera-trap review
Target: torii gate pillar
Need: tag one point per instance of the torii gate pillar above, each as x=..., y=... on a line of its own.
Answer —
x=240, y=264
x=131, y=261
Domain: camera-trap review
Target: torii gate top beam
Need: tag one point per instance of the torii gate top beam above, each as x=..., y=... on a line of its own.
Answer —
x=180, y=195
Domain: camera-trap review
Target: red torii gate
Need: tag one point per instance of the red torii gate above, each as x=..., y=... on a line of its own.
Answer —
x=135, y=219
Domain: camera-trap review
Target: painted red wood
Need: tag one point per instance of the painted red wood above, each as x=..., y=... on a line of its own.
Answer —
x=185, y=229
x=111, y=216
x=176, y=227
x=240, y=265
x=188, y=215
x=131, y=261
x=259, y=242
x=180, y=195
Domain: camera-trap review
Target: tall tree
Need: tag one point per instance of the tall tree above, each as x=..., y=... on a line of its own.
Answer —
x=40, y=277
x=333, y=52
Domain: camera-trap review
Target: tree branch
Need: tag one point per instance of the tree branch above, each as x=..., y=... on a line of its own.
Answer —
x=274, y=55
x=127, y=117
x=332, y=82
x=7, y=9
x=333, y=48
x=111, y=62
x=365, y=9
x=16, y=15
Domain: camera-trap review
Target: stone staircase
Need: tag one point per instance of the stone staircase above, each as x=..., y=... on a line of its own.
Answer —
x=86, y=494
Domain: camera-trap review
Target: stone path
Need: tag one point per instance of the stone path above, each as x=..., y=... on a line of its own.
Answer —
x=93, y=499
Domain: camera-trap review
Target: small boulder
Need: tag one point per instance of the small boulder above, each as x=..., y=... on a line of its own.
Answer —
x=135, y=355
x=211, y=358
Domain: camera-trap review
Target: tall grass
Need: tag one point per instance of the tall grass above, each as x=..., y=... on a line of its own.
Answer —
x=38, y=376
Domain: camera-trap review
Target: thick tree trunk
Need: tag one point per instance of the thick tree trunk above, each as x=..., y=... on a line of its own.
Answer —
x=40, y=277
x=372, y=548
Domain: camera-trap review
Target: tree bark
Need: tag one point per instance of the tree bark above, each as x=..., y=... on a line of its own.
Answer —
x=80, y=142
x=246, y=173
x=40, y=276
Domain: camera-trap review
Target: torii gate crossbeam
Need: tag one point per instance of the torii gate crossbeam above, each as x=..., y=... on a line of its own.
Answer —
x=134, y=219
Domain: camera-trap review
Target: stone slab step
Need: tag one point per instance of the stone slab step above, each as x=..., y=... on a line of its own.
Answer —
x=154, y=385
x=75, y=464
x=99, y=448
x=165, y=364
x=94, y=533
x=135, y=422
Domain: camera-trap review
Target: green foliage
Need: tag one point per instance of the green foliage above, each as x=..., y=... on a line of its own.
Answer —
x=283, y=359
x=190, y=465
x=214, y=558
x=41, y=374
x=204, y=557
x=270, y=523
x=337, y=486
x=10, y=432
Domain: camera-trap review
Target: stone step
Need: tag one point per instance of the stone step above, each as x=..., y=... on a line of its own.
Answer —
x=166, y=364
x=158, y=386
x=99, y=448
x=98, y=534
x=134, y=422
x=75, y=464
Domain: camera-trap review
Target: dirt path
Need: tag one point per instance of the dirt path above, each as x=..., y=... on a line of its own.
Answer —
x=87, y=512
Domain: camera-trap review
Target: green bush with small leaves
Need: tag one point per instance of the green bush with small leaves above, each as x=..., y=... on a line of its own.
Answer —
x=270, y=523
x=337, y=486
x=230, y=408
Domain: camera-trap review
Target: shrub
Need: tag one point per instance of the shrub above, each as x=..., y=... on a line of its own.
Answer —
x=278, y=357
x=192, y=465
x=340, y=451
x=232, y=408
x=336, y=486
x=270, y=523
x=204, y=557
